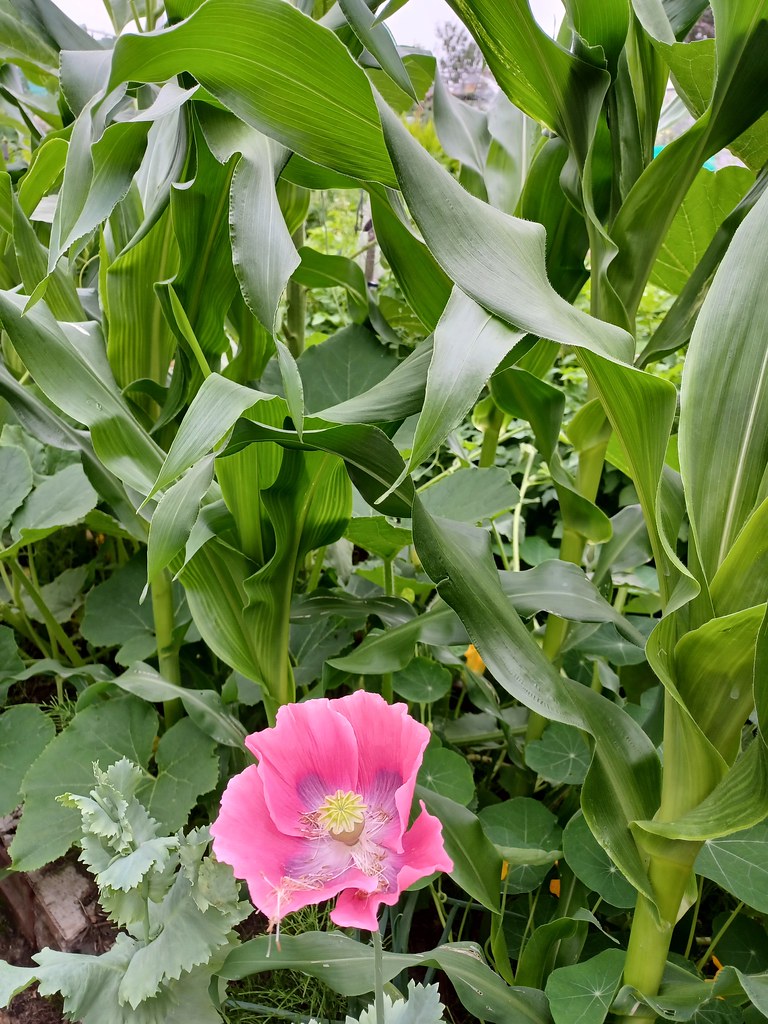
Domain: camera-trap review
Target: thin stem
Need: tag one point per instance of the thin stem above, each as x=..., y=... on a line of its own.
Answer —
x=317, y=568
x=692, y=933
x=491, y=438
x=701, y=964
x=167, y=651
x=53, y=627
x=387, y=691
x=378, y=976
x=504, y=560
x=517, y=515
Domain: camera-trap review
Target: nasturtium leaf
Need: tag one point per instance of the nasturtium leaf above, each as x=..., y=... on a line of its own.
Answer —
x=522, y=824
x=423, y=681
x=743, y=945
x=448, y=774
x=16, y=474
x=738, y=864
x=561, y=756
x=592, y=865
x=471, y=495
x=24, y=733
x=583, y=993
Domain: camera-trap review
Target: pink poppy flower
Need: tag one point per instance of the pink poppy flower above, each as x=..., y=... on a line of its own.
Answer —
x=325, y=812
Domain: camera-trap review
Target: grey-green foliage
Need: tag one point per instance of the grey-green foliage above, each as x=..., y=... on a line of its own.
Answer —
x=176, y=905
x=423, y=1006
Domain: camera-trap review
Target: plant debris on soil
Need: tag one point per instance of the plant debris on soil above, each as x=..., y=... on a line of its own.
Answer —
x=55, y=907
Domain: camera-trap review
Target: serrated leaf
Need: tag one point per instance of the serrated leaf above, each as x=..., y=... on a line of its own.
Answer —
x=184, y=937
x=101, y=733
x=421, y=1006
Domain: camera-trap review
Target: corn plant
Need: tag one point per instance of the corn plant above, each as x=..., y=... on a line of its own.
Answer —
x=155, y=278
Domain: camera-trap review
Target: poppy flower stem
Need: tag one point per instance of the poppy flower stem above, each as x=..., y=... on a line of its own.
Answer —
x=378, y=976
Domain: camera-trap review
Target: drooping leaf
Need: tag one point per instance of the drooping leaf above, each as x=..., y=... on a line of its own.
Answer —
x=278, y=71
x=24, y=733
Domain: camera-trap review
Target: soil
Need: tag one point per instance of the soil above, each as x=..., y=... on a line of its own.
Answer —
x=55, y=907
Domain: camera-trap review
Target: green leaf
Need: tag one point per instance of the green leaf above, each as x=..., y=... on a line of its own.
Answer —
x=737, y=863
x=400, y=394
x=324, y=270
x=723, y=460
x=373, y=463
x=423, y=681
x=463, y=132
x=424, y=284
x=24, y=733
x=114, y=614
x=523, y=824
x=214, y=409
x=744, y=945
x=471, y=495
x=62, y=595
x=204, y=707
x=582, y=994
x=347, y=364
x=709, y=200
x=624, y=772
x=10, y=662
x=175, y=515
x=69, y=364
x=469, y=344
x=256, y=221
x=100, y=733
x=377, y=39
x=551, y=85
x=473, y=242
x=16, y=471
x=59, y=500
x=377, y=535
x=347, y=967
x=592, y=865
x=448, y=774
x=275, y=69
x=561, y=588
x=476, y=863
x=561, y=756
x=394, y=649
